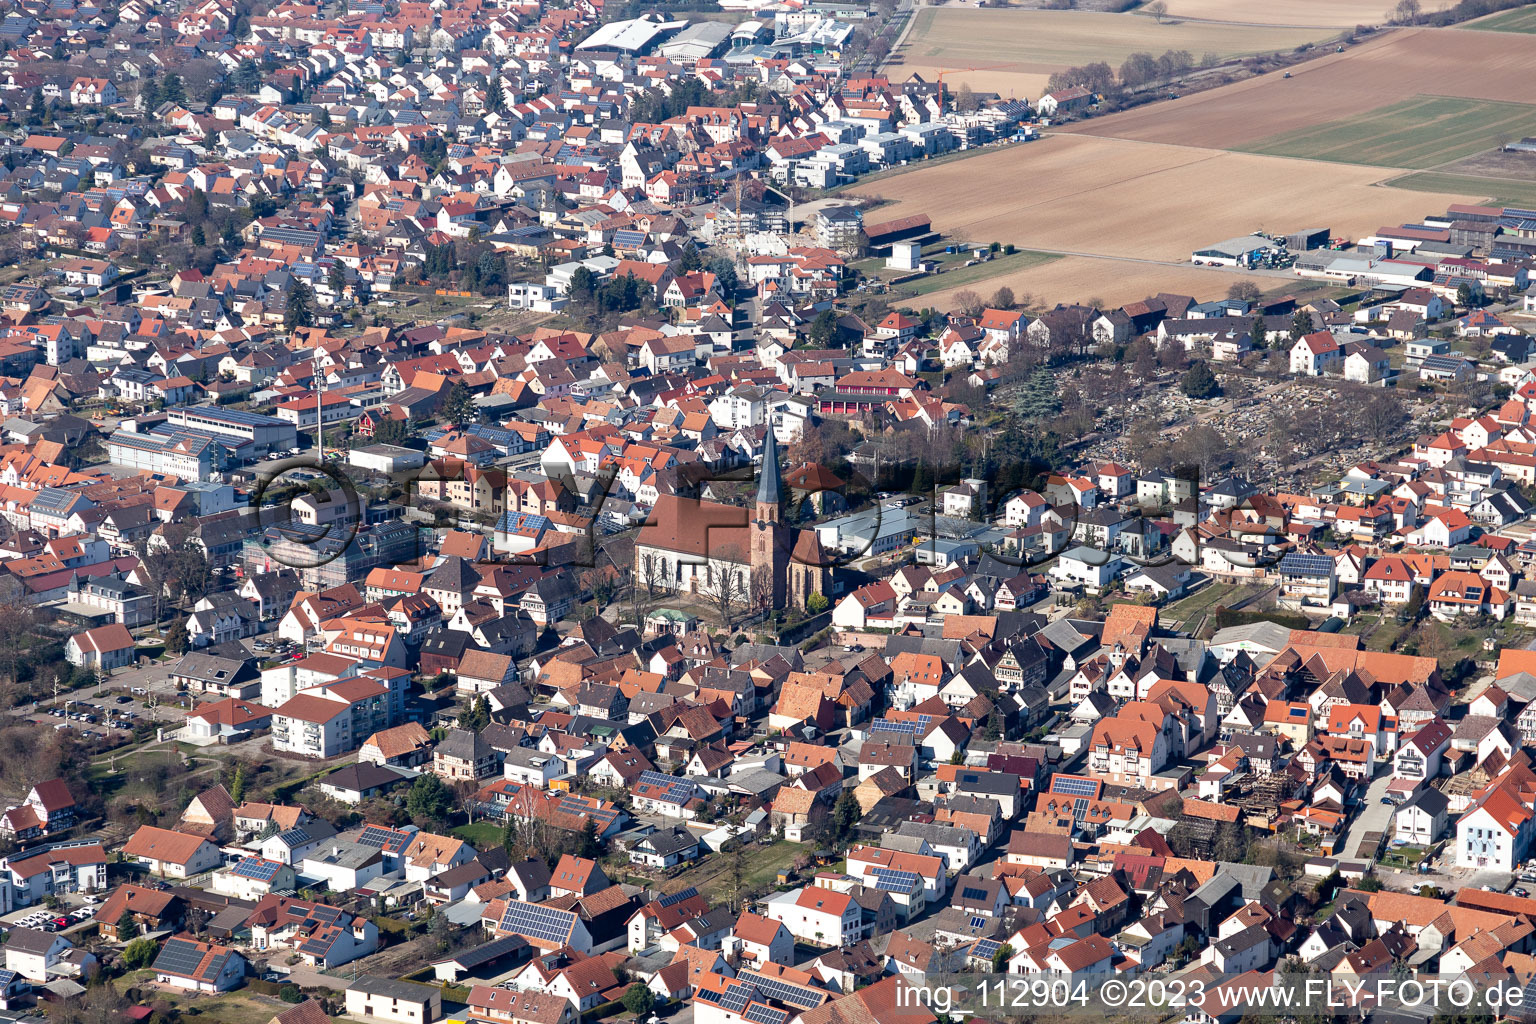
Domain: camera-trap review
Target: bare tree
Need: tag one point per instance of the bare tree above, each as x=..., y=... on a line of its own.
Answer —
x=1157, y=9
x=1406, y=12
x=968, y=302
x=726, y=585
x=653, y=574
x=1003, y=298
x=760, y=590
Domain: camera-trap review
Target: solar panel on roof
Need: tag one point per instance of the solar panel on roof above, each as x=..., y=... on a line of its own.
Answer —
x=736, y=997
x=978, y=922
x=672, y=788
x=757, y=1013
x=386, y=839
x=256, y=868
x=971, y=893
x=986, y=948
x=892, y=880
x=784, y=992
x=1069, y=785
x=533, y=921
x=178, y=956
x=677, y=897
x=316, y=947
x=490, y=951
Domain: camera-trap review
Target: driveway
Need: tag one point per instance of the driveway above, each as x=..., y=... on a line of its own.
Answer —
x=1375, y=816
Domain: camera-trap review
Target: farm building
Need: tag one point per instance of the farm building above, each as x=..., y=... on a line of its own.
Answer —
x=897, y=230
x=1235, y=252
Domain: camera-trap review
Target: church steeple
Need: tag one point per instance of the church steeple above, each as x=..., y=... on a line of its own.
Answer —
x=769, y=486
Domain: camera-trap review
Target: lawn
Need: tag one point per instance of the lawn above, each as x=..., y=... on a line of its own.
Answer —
x=1522, y=19
x=978, y=274
x=482, y=835
x=1501, y=190
x=760, y=868
x=1425, y=131
x=226, y=1008
x=1200, y=603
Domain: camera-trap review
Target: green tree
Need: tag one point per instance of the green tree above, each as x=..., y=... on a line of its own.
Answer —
x=176, y=639
x=638, y=999
x=495, y=96
x=199, y=237
x=589, y=846
x=237, y=784
x=1370, y=883
x=846, y=814
x=1258, y=332
x=337, y=278
x=140, y=953
x=300, y=311
x=691, y=260
x=246, y=77
x=478, y=716
x=1198, y=381
x=429, y=799
x=1001, y=957
x=458, y=405
x=823, y=329
x=1301, y=325
x=816, y=602
x=127, y=926
x=173, y=91
x=725, y=274
x=1464, y=295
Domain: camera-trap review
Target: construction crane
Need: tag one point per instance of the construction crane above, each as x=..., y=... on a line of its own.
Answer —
x=961, y=71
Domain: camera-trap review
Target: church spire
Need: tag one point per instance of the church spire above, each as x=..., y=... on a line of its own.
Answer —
x=768, y=485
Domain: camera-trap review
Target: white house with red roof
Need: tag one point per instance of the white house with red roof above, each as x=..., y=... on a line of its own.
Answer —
x=898, y=326
x=820, y=917
x=49, y=807
x=105, y=648
x=1316, y=354
x=1495, y=832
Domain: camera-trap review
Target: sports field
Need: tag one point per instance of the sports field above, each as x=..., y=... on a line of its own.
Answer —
x=1013, y=52
x=1362, y=80
x=1330, y=13
x=1091, y=196
x=1501, y=191
x=1521, y=19
x=1425, y=131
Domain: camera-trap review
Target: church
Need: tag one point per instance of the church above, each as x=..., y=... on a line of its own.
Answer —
x=698, y=547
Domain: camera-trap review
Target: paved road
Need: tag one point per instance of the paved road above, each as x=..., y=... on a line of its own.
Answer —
x=1375, y=816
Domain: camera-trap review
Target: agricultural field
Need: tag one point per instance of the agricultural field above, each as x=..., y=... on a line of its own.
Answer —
x=1425, y=131
x=1105, y=197
x=1339, y=14
x=1521, y=19
x=1013, y=52
x=1092, y=278
x=1499, y=191
x=1369, y=77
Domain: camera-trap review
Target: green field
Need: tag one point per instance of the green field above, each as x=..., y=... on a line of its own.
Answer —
x=1426, y=131
x=1521, y=19
x=1502, y=191
x=962, y=275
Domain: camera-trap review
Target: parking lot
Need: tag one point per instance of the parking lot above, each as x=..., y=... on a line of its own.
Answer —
x=73, y=911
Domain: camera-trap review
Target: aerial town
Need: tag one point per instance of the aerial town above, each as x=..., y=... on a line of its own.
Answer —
x=767, y=511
